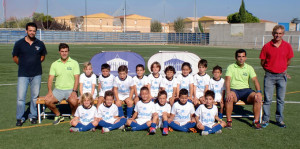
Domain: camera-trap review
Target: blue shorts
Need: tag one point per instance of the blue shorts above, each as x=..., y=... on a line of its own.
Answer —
x=242, y=94
x=61, y=94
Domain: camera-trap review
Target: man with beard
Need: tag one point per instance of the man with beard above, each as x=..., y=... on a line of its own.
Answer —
x=28, y=54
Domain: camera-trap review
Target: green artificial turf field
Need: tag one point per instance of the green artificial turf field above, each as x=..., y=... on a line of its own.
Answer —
x=45, y=135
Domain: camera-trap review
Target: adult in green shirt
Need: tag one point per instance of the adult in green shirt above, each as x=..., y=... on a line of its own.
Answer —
x=66, y=71
x=237, y=79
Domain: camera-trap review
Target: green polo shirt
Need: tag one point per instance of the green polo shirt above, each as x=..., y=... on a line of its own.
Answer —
x=240, y=76
x=64, y=73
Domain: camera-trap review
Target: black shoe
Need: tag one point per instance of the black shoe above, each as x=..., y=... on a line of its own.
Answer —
x=281, y=124
x=33, y=120
x=19, y=123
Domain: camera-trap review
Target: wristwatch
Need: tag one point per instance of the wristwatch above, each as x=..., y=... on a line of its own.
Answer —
x=75, y=91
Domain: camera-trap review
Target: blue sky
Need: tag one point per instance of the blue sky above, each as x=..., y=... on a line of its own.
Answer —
x=273, y=10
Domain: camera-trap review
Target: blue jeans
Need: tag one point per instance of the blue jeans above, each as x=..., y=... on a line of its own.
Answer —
x=35, y=85
x=279, y=81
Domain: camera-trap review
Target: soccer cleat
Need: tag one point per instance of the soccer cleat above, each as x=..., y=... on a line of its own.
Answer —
x=73, y=129
x=19, y=122
x=122, y=127
x=264, y=124
x=193, y=130
x=165, y=132
x=58, y=119
x=104, y=130
x=281, y=124
x=218, y=132
x=229, y=125
x=204, y=133
x=127, y=129
x=256, y=125
x=152, y=131
x=93, y=129
x=33, y=120
x=171, y=129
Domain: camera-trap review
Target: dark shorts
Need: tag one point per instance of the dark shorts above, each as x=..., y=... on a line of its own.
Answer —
x=242, y=94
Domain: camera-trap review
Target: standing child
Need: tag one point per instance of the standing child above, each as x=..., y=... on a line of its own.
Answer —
x=85, y=116
x=87, y=80
x=142, y=118
x=108, y=114
x=201, y=81
x=140, y=80
x=154, y=79
x=169, y=84
x=206, y=114
x=163, y=109
x=123, y=90
x=106, y=82
x=185, y=81
x=181, y=118
x=217, y=85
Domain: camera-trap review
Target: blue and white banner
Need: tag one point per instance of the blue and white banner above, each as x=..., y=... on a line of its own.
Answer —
x=116, y=59
x=175, y=59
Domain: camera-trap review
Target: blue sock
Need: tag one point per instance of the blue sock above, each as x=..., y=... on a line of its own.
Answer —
x=177, y=127
x=118, y=124
x=79, y=125
x=129, y=112
x=85, y=127
x=121, y=113
x=216, y=128
x=153, y=125
x=133, y=124
x=189, y=125
x=207, y=129
x=140, y=127
x=102, y=123
x=165, y=124
x=220, y=115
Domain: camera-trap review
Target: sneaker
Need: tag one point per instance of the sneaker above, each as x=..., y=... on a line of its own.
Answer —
x=127, y=129
x=152, y=131
x=264, y=124
x=281, y=124
x=73, y=129
x=204, y=133
x=33, y=120
x=19, y=122
x=229, y=125
x=193, y=130
x=93, y=129
x=58, y=119
x=104, y=129
x=122, y=127
x=165, y=132
x=218, y=132
x=256, y=125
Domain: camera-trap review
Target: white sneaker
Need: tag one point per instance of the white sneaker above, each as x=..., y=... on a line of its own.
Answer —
x=104, y=129
x=122, y=127
x=204, y=133
x=218, y=132
x=73, y=129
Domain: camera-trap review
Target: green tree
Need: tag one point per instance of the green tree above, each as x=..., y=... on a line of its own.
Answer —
x=243, y=16
x=156, y=26
x=41, y=20
x=243, y=12
x=179, y=25
x=200, y=27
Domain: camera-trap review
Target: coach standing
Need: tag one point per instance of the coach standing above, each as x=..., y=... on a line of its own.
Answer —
x=28, y=53
x=275, y=57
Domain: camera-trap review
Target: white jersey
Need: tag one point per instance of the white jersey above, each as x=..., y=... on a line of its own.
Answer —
x=139, y=83
x=200, y=82
x=108, y=113
x=183, y=112
x=207, y=116
x=144, y=110
x=123, y=85
x=184, y=82
x=87, y=83
x=107, y=83
x=218, y=87
x=154, y=82
x=168, y=85
x=160, y=109
x=86, y=115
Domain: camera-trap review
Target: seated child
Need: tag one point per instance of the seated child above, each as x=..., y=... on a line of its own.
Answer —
x=142, y=118
x=206, y=114
x=85, y=116
x=217, y=85
x=163, y=109
x=140, y=80
x=105, y=82
x=154, y=79
x=108, y=114
x=169, y=84
x=181, y=118
x=87, y=80
x=186, y=81
x=201, y=81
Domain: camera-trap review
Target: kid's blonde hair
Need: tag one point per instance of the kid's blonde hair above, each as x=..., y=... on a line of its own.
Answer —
x=87, y=64
x=88, y=96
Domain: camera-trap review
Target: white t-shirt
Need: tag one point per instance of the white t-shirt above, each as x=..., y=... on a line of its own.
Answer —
x=123, y=85
x=139, y=83
x=160, y=109
x=184, y=82
x=107, y=83
x=218, y=87
x=86, y=115
x=108, y=113
x=168, y=85
x=182, y=112
x=207, y=116
x=87, y=83
x=145, y=110
x=154, y=82
x=200, y=82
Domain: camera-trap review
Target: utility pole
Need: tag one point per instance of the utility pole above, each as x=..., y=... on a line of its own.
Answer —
x=47, y=15
x=124, y=18
x=86, y=15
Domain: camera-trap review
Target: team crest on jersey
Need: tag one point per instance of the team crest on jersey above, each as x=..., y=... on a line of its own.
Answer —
x=69, y=68
x=37, y=48
x=245, y=74
x=145, y=108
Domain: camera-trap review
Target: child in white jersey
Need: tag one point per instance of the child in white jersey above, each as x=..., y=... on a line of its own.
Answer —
x=163, y=109
x=123, y=91
x=201, y=82
x=140, y=80
x=85, y=116
x=154, y=79
x=186, y=81
x=108, y=114
x=217, y=85
x=87, y=80
x=105, y=82
x=206, y=114
x=142, y=118
x=169, y=84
